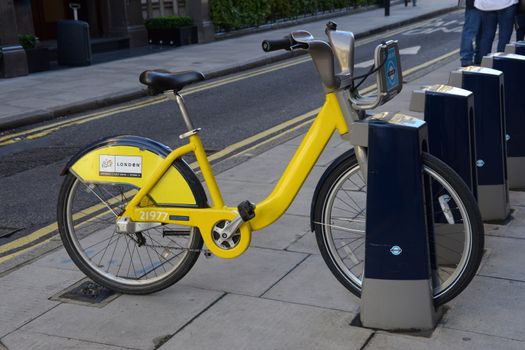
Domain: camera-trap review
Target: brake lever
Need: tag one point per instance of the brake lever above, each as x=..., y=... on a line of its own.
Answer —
x=299, y=46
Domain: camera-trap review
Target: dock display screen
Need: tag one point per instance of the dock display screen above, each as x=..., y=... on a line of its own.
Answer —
x=390, y=77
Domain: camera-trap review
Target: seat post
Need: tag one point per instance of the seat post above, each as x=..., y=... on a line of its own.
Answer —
x=182, y=106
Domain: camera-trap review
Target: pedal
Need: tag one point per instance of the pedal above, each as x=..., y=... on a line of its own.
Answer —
x=246, y=210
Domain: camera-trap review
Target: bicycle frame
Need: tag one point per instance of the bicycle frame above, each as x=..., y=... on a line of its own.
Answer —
x=329, y=119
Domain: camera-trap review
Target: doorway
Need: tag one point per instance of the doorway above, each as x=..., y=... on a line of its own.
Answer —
x=46, y=17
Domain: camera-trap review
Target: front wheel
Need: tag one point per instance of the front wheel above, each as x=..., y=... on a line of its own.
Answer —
x=137, y=263
x=339, y=221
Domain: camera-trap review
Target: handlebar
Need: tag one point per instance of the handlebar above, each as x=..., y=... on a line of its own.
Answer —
x=278, y=44
x=341, y=46
x=287, y=43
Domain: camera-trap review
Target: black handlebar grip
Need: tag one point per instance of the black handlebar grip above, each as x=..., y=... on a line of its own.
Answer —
x=278, y=44
x=331, y=25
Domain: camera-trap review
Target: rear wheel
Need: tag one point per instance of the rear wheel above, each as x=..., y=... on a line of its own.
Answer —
x=339, y=217
x=138, y=263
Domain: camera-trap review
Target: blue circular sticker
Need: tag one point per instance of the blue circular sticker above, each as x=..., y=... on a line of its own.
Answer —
x=396, y=250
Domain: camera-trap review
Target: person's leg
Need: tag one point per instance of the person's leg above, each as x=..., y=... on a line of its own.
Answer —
x=413, y=2
x=506, y=26
x=520, y=31
x=477, y=54
x=470, y=31
x=489, y=22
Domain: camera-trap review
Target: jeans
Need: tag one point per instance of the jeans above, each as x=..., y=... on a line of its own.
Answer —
x=489, y=23
x=471, y=32
x=413, y=2
x=520, y=31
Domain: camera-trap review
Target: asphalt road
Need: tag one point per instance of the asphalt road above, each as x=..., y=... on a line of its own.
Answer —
x=29, y=181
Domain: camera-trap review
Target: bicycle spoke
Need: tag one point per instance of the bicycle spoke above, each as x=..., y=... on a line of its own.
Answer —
x=151, y=262
x=105, y=250
x=340, y=227
x=101, y=200
x=113, y=254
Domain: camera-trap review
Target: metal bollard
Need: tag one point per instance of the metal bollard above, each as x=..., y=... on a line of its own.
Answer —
x=13, y=61
x=517, y=47
x=491, y=152
x=449, y=113
x=397, y=282
x=513, y=68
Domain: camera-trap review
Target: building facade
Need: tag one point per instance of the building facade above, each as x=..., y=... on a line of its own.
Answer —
x=106, y=18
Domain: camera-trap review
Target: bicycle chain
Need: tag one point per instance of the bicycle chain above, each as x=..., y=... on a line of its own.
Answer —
x=205, y=251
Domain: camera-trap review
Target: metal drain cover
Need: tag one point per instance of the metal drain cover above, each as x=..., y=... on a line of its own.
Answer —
x=86, y=292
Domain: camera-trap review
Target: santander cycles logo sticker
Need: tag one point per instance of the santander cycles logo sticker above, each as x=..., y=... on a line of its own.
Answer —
x=396, y=250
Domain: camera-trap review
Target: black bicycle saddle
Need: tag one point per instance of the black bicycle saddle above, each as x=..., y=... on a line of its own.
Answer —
x=160, y=80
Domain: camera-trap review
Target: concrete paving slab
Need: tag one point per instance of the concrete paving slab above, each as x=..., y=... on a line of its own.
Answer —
x=506, y=259
x=517, y=199
x=235, y=192
x=318, y=287
x=58, y=260
x=136, y=322
x=253, y=273
x=333, y=151
x=240, y=322
x=40, y=101
x=25, y=292
x=8, y=110
x=265, y=168
x=307, y=244
x=296, y=141
x=515, y=231
x=442, y=339
x=303, y=201
x=505, y=230
x=518, y=216
x=282, y=233
x=487, y=307
x=335, y=141
x=315, y=175
x=38, y=341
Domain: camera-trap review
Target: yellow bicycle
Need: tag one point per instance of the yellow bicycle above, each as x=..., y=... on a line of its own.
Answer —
x=133, y=215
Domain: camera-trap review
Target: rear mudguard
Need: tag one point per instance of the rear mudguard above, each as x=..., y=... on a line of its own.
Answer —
x=131, y=160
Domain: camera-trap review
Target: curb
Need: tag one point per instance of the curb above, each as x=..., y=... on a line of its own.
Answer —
x=29, y=118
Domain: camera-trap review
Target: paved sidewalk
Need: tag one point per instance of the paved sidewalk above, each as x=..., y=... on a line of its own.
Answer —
x=45, y=95
x=278, y=295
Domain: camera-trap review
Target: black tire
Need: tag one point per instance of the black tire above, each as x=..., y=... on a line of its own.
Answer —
x=86, y=221
x=456, y=267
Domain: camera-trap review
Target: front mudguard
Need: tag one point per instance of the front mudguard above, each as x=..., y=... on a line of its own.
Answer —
x=131, y=160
